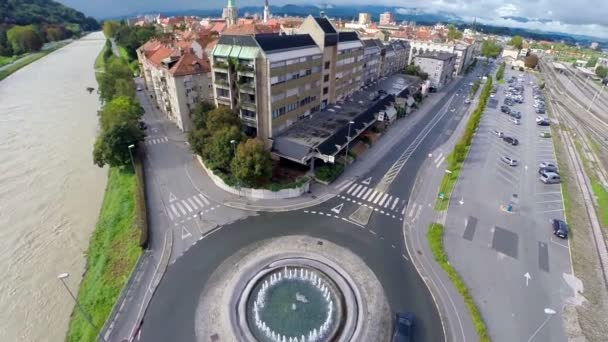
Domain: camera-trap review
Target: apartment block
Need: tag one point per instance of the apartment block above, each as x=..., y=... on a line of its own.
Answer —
x=178, y=75
x=269, y=80
x=387, y=18
x=464, y=52
x=438, y=65
x=372, y=60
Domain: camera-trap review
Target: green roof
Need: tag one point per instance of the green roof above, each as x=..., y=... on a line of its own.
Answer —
x=248, y=52
x=222, y=50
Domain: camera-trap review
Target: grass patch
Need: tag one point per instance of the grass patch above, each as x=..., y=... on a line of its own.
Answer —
x=113, y=252
x=435, y=237
x=123, y=53
x=602, y=200
x=4, y=60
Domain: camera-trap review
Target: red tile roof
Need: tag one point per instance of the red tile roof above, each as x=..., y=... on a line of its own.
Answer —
x=250, y=29
x=159, y=55
x=189, y=64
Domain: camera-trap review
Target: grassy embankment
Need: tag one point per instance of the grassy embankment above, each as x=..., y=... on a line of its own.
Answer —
x=461, y=149
x=31, y=58
x=599, y=191
x=113, y=250
x=435, y=237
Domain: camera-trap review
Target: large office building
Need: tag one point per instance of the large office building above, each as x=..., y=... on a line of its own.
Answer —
x=438, y=65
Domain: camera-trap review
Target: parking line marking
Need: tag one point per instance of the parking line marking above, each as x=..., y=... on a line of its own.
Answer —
x=552, y=211
x=555, y=201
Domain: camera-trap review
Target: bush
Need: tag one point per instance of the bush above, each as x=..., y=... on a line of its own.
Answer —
x=329, y=172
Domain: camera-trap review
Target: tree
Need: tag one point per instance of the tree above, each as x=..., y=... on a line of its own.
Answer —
x=112, y=146
x=411, y=69
x=54, y=33
x=119, y=110
x=221, y=117
x=531, y=61
x=199, y=114
x=517, y=42
x=601, y=71
x=490, y=48
x=5, y=46
x=110, y=27
x=252, y=165
x=453, y=33
x=500, y=73
x=591, y=62
x=109, y=86
x=24, y=39
x=219, y=149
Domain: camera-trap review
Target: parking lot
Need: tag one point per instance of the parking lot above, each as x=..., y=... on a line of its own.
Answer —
x=499, y=233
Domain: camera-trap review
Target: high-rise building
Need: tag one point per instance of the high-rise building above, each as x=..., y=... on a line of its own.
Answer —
x=231, y=13
x=266, y=11
x=365, y=19
x=387, y=18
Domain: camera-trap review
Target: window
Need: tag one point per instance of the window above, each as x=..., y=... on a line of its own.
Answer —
x=327, y=65
x=317, y=57
x=278, y=112
x=292, y=107
x=277, y=64
x=316, y=69
x=291, y=92
x=325, y=90
x=326, y=78
x=278, y=97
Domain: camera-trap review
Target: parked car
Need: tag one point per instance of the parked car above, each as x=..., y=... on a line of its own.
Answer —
x=544, y=123
x=514, y=120
x=142, y=125
x=404, y=327
x=515, y=114
x=550, y=178
x=540, y=118
x=511, y=140
x=560, y=228
x=505, y=109
x=467, y=101
x=547, y=164
x=139, y=88
x=544, y=135
x=498, y=133
x=547, y=169
x=509, y=161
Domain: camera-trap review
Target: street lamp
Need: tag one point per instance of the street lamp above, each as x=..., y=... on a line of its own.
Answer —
x=233, y=144
x=350, y=123
x=62, y=278
x=131, y=155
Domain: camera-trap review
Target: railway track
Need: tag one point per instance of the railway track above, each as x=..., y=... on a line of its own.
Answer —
x=592, y=91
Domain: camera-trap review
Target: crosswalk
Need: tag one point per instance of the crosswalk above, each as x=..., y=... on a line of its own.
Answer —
x=155, y=141
x=187, y=207
x=360, y=192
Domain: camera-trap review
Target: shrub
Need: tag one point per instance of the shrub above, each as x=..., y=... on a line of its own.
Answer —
x=329, y=172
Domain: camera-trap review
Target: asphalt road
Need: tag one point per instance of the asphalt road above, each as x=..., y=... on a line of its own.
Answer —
x=379, y=243
x=511, y=262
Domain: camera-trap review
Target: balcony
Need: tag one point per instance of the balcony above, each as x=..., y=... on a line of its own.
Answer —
x=247, y=104
x=247, y=87
x=223, y=83
x=220, y=66
x=224, y=100
x=245, y=70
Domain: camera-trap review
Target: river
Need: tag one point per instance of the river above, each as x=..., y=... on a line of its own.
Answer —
x=50, y=190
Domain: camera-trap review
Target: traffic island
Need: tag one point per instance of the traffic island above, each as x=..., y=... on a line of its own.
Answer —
x=293, y=288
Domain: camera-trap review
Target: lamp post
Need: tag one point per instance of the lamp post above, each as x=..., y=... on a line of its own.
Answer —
x=233, y=144
x=350, y=123
x=62, y=278
x=131, y=155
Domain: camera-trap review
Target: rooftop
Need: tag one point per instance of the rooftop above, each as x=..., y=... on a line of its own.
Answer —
x=275, y=42
x=325, y=25
x=326, y=132
x=442, y=56
x=348, y=36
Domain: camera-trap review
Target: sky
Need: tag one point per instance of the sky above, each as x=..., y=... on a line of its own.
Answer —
x=588, y=17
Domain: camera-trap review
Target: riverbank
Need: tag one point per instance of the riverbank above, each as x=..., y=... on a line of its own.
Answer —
x=114, y=249
x=9, y=69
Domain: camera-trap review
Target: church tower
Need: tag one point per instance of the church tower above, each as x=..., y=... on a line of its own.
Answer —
x=232, y=13
x=266, y=11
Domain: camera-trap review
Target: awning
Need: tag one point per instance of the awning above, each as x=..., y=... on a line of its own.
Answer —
x=222, y=50
x=235, y=51
x=248, y=52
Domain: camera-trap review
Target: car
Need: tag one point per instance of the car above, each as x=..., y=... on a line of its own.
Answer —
x=471, y=84
x=492, y=95
x=467, y=101
x=403, y=330
x=560, y=228
x=515, y=114
x=547, y=164
x=544, y=123
x=140, y=88
x=505, y=109
x=544, y=135
x=498, y=133
x=509, y=161
x=540, y=118
x=142, y=125
x=550, y=178
x=382, y=92
x=514, y=120
x=511, y=140
x=547, y=169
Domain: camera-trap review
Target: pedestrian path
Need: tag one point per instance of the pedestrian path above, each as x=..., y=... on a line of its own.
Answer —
x=154, y=141
x=190, y=207
x=359, y=193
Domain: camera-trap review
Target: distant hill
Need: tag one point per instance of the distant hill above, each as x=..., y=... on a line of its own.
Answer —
x=43, y=12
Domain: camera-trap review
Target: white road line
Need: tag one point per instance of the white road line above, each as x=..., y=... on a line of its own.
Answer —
x=555, y=201
x=552, y=211
x=378, y=198
x=411, y=211
x=344, y=184
x=356, y=192
x=383, y=199
x=170, y=215
x=192, y=202
x=180, y=208
x=198, y=201
x=403, y=210
x=175, y=212
x=187, y=206
x=369, y=191
x=548, y=193
x=438, y=157
x=351, y=188
x=441, y=161
x=395, y=203
x=203, y=198
x=388, y=201
x=372, y=196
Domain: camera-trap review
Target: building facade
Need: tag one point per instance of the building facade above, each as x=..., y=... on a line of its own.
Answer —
x=387, y=18
x=365, y=18
x=439, y=66
x=464, y=52
x=372, y=60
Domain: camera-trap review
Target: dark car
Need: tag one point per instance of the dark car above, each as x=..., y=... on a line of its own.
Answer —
x=544, y=123
x=515, y=114
x=505, y=109
x=511, y=141
x=404, y=327
x=142, y=125
x=560, y=229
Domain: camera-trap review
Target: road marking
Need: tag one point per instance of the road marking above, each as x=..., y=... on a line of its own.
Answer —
x=369, y=191
x=175, y=212
x=395, y=203
x=337, y=208
x=358, y=195
x=344, y=184
x=351, y=188
x=185, y=233
x=191, y=201
x=548, y=193
x=373, y=195
x=197, y=200
x=404, y=257
x=555, y=201
x=438, y=157
x=172, y=197
x=204, y=199
x=411, y=211
x=528, y=277
x=388, y=201
x=373, y=232
x=187, y=206
x=359, y=187
x=180, y=208
x=378, y=198
x=383, y=200
x=170, y=215
x=367, y=181
x=441, y=161
x=552, y=211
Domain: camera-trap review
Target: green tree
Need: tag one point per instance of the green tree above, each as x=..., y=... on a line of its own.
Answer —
x=54, y=33
x=601, y=71
x=252, y=165
x=112, y=146
x=490, y=48
x=411, y=69
x=453, y=33
x=24, y=39
x=5, y=45
x=119, y=110
x=110, y=27
x=591, y=62
x=531, y=61
x=517, y=42
x=124, y=87
x=199, y=114
x=221, y=117
x=109, y=86
x=500, y=73
x=219, y=149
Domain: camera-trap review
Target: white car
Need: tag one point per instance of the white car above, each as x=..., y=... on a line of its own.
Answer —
x=467, y=101
x=498, y=133
x=492, y=95
x=509, y=161
x=514, y=120
x=540, y=119
x=543, y=165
